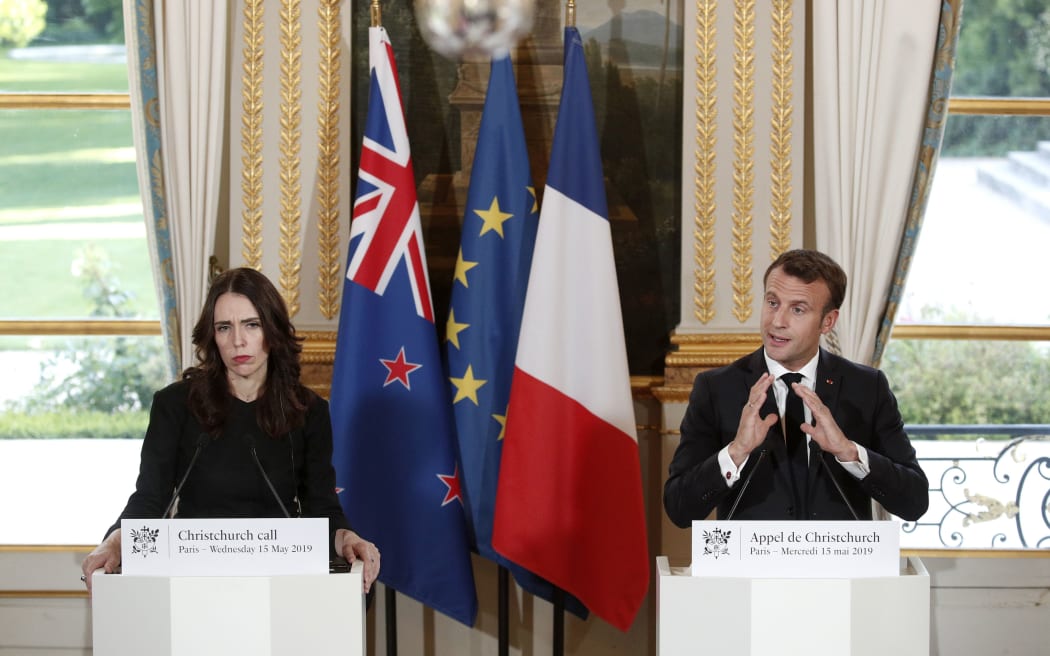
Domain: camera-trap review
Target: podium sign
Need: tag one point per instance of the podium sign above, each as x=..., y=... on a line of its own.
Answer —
x=796, y=549
x=259, y=546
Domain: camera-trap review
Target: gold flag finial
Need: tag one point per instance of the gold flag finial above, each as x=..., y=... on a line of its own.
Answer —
x=377, y=14
x=570, y=13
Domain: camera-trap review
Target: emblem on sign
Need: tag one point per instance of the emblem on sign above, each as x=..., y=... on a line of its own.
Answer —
x=716, y=542
x=144, y=541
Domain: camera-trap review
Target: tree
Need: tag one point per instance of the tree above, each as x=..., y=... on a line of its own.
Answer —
x=106, y=17
x=115, y=375
x=968, y=382
x=1003, y=51
x=84, y=21
x=21, y=21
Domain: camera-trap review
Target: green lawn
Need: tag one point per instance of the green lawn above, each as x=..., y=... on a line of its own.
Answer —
x=37, y=274
x=67, y=179
x=64, y=158
x=46, y=77
x=53, y=160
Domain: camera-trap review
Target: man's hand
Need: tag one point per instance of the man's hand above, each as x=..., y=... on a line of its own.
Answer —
x=826, y=432
x=753, y=429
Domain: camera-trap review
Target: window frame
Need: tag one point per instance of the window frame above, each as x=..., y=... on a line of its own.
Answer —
x=93, y=327
x=983, y=106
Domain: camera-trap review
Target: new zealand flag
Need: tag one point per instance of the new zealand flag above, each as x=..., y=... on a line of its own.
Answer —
x=394, y=453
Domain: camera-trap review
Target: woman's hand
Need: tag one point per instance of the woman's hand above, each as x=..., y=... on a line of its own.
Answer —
x=352, y=546
x=105, y=556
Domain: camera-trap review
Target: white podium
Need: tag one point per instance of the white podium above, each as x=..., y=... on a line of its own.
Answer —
x=200, y=616
x=811, y=617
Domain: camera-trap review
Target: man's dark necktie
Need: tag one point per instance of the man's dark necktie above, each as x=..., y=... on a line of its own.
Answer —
x=797, y=449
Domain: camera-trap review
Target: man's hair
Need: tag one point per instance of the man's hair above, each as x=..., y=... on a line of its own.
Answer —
x=809, y=266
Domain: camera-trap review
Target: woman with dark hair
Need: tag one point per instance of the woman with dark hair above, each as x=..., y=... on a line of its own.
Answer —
x=244, y=395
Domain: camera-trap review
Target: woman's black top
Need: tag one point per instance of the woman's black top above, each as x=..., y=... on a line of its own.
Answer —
x=225, y=481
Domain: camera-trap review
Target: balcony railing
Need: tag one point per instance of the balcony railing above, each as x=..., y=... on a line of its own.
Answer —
x=990, y=490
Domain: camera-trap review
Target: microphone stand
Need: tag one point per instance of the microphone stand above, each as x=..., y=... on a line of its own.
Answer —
x=747, y=481
x=255, y=456
x=819, y=453
x=202, y=441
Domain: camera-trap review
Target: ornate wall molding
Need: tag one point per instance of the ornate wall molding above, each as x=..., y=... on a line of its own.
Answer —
x=758, y=137
x=291, y=134
x=704, y=201
x=329, y=175
x=780, y=130
x=743, y=156
x=292, y=218
x=251, y=134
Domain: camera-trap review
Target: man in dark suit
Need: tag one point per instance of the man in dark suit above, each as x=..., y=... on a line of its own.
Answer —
x=847, y=429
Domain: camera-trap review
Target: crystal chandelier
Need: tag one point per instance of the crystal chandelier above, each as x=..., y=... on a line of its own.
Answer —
x=455, y=28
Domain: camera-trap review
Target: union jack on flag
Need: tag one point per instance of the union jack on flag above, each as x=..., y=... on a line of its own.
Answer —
x=386, y=214
x=394, y=447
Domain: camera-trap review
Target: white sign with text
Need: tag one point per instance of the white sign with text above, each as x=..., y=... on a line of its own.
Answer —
x=260, y=546
x=796, y=549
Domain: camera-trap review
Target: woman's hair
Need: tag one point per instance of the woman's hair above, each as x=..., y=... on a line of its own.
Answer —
x=283, y=400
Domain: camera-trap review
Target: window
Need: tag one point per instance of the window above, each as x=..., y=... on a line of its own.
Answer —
x=79, y=332
x=969, y=358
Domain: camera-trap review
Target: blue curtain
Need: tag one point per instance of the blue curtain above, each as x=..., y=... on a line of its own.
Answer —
x=142, y=74
x=936, y=115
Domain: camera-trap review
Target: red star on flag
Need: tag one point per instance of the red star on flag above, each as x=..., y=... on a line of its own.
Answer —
x=454, y=490
x=399, y=369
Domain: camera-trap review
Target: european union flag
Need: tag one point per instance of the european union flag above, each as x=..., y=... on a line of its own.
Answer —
x=394, y=446
x=488, y=294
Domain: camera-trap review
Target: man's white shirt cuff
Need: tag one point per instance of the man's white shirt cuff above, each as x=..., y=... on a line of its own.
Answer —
x=860, y=468
x=730, y=472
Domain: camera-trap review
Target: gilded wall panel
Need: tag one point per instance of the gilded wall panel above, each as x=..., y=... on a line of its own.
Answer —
x=290, y=103
x=742, y=199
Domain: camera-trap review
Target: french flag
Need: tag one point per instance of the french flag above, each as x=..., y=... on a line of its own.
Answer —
x=569, y=501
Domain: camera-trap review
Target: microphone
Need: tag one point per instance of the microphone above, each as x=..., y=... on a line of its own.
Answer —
x=291, y=455
x=249, y=439
x=202, y=441
x=747, y=481
x=819, y=453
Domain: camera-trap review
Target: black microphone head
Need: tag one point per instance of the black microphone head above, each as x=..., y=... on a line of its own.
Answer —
x=249, y=440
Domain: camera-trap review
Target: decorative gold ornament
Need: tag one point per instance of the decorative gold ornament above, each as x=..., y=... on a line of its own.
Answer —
x=251, y=135
x=743, y=155
x=704, y=201
x=994, y=509
x=318, y=346
x=291, y=187
x=780, y=132
x=328, y=264
x=710, y=350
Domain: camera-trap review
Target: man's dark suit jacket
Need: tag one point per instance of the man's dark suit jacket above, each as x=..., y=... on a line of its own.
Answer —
x=862, y=404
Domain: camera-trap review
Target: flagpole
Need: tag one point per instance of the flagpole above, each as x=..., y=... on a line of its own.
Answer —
x=558, y=639
x=389, y=594
x=504, y=611
x=390, y=597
